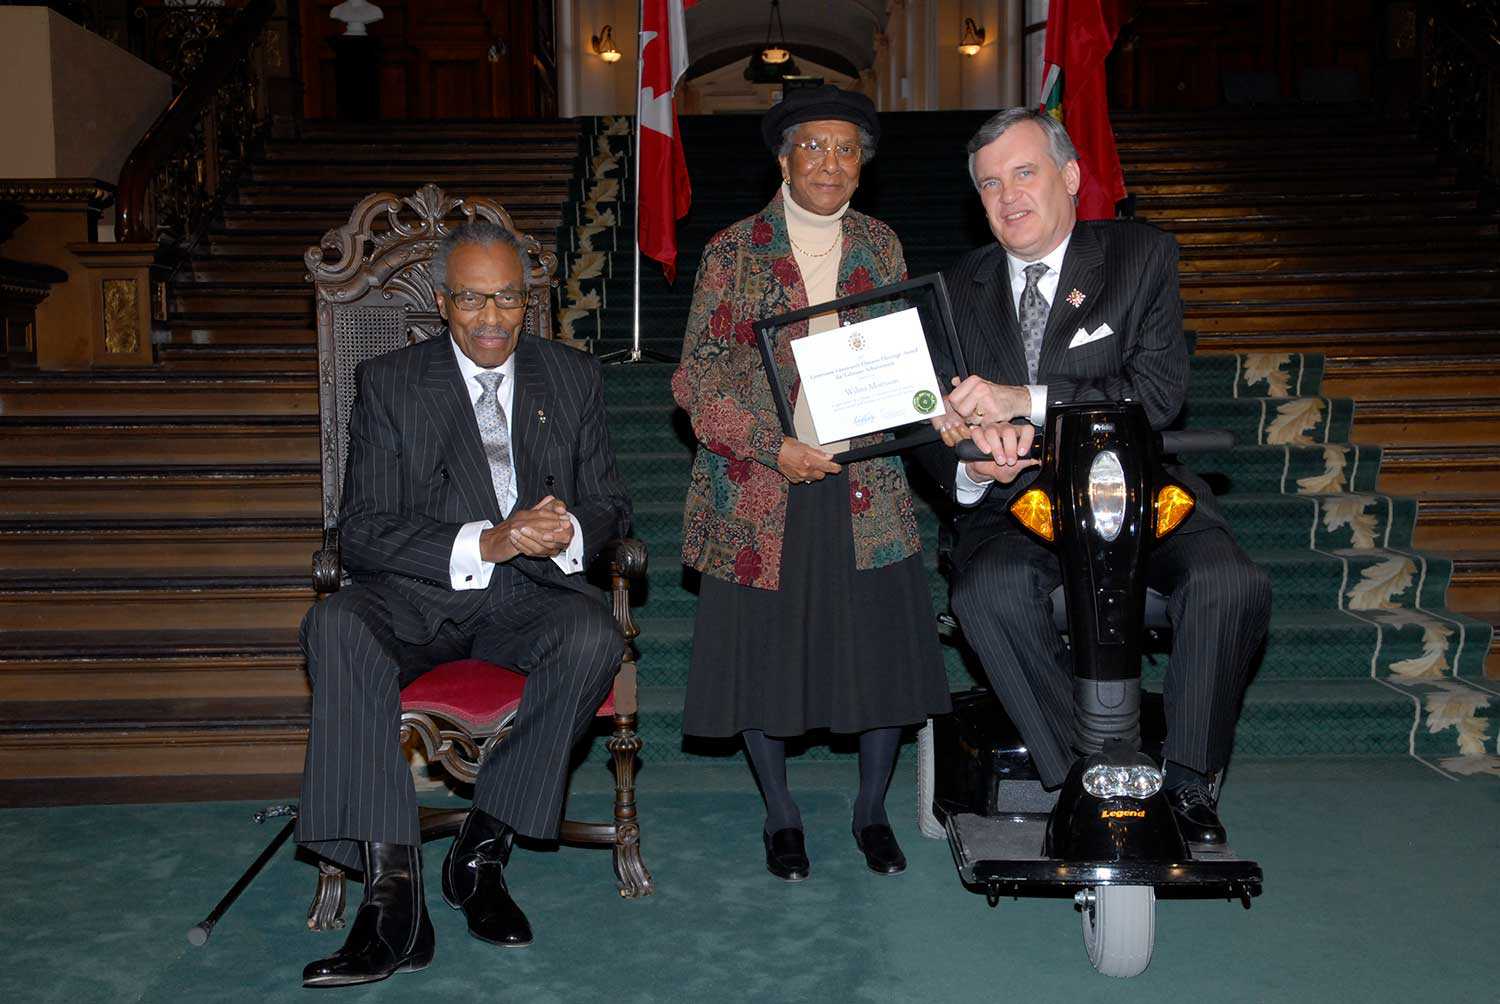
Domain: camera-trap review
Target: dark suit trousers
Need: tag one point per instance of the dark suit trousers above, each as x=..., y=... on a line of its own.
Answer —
x=357, y=785
x=1219, y=603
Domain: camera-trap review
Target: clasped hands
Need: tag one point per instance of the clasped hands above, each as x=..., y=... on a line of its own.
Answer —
x=983, y=411
x=543, y=531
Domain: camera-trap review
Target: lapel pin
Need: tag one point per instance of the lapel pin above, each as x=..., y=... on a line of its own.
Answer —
x=541, y=416
x=1076, y=298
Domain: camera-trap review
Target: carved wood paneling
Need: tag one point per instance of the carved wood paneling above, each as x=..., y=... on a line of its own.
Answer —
x=442, y=59
x=1178, y=54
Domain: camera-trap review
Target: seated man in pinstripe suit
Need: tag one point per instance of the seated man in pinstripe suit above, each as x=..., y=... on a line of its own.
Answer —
x=480, y=482
x=1062, y=310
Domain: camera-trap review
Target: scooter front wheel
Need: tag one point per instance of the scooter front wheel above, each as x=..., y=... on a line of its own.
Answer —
x=1119, y=927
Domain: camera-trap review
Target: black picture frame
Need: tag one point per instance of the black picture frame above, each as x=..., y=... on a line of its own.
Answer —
x=928, y=294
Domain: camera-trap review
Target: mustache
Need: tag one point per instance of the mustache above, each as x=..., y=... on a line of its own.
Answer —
x=490, y=331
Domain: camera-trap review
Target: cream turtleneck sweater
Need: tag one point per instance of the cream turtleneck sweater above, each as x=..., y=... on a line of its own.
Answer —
x=817, y=246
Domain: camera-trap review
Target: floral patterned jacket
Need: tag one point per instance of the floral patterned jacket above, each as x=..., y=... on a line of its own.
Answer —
x=736, y=505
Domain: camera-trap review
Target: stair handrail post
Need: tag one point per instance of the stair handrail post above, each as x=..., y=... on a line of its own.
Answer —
x=172, y=138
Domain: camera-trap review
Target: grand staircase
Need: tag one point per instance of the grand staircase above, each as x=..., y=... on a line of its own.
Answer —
x=156, y=525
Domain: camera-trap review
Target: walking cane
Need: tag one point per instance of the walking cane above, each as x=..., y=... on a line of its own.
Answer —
x=198, y=934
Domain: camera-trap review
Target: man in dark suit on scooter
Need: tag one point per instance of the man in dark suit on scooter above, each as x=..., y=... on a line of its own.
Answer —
x=1062, y=310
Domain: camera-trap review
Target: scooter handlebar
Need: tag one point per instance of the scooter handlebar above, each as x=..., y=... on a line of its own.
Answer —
x=969, y=451
x=1196, y=440
x=1172, y=441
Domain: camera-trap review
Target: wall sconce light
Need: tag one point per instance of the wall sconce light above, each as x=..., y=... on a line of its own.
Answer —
x=972, y=39
x=604, y=45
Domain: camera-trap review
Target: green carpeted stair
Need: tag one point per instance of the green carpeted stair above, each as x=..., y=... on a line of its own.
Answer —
x=1362, y=657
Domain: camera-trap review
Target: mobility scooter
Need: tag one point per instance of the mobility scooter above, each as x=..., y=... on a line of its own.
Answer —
x=1108, y=837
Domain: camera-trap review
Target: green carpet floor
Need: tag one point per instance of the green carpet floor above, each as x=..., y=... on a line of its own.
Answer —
x=1379, y=887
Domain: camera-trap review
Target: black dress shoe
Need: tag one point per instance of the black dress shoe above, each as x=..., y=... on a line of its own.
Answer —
x=1197, y=817
x=881, y=851
x=786, y=854
x=474, y=881
x=392, y=932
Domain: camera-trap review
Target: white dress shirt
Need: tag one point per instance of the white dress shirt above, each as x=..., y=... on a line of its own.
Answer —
x=967, y=489
x=466, y=569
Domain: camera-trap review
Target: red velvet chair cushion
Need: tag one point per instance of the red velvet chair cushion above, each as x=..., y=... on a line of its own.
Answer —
x=476, y=694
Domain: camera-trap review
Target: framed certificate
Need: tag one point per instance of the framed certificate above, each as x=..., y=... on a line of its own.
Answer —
x=870, y=376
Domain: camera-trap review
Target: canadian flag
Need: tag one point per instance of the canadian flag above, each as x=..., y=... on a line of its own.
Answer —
x=664, y=191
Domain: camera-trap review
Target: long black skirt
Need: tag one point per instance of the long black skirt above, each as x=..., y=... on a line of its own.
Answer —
x=834, y=648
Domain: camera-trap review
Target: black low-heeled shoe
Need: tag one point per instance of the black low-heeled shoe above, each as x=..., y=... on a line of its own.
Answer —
x=880, y=849
x=786, y=854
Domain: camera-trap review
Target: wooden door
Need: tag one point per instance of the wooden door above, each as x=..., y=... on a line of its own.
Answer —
x=443, y=59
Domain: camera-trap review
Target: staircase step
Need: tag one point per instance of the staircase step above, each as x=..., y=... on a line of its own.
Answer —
x=1413, y=377
x=242, y=298
x=157, y=393
x=1476, y=579
x=1455, y=520
x=1420, y=469
x=239, y=602
x=1404, y=341
x=239, y=333
x=197, y=441
x=207, y=550
x=298, y=359
x=1456, y=420
x=164, y=662
x=52, y=500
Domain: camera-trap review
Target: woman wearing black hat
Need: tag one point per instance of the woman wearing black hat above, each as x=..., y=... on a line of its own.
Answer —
x=814, y=610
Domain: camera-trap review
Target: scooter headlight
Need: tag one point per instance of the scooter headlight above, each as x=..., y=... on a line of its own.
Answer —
x=1112, y=781
x=1107, y=494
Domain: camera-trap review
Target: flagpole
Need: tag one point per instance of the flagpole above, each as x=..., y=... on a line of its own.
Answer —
x=640, y=72
x=635, y=354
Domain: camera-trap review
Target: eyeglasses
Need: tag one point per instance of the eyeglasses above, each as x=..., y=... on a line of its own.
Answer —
x=818, y=149
x=469, y=300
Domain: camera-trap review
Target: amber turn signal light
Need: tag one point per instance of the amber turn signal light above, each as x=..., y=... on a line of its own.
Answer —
x=1173, y=505
x=1034, y=509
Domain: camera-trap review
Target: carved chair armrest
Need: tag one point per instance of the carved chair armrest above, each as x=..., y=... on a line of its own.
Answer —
x=325, y=563
x=626, y=560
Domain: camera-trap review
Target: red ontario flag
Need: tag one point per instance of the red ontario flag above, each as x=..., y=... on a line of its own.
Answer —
x=1080, y=34
x=665, y=192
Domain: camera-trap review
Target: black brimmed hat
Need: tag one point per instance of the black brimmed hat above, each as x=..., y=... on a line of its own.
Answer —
x=814, y=104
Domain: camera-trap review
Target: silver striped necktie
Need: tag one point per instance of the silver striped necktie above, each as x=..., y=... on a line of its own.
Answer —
x=1033, y=317
x=494, y=433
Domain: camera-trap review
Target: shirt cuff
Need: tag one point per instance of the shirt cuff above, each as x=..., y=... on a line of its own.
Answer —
x=466, y=569
x=571, y=560
x=966, y=490
x=1038, y=393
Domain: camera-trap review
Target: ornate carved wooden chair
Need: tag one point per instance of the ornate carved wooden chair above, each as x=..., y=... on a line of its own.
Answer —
x=377, y=296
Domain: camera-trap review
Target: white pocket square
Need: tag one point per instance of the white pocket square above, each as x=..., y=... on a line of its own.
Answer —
x=1085, y=337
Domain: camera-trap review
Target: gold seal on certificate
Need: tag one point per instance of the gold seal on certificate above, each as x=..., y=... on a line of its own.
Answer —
x=877, y=378
x=867, y=377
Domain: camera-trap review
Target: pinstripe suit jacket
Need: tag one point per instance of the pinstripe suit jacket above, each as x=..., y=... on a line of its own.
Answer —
x=1126, y=272
x=416, y=473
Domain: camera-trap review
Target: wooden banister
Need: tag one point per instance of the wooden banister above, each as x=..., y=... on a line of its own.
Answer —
x=199, y=140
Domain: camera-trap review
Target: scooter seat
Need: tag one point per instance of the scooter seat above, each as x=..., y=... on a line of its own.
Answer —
x=1156, y=611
